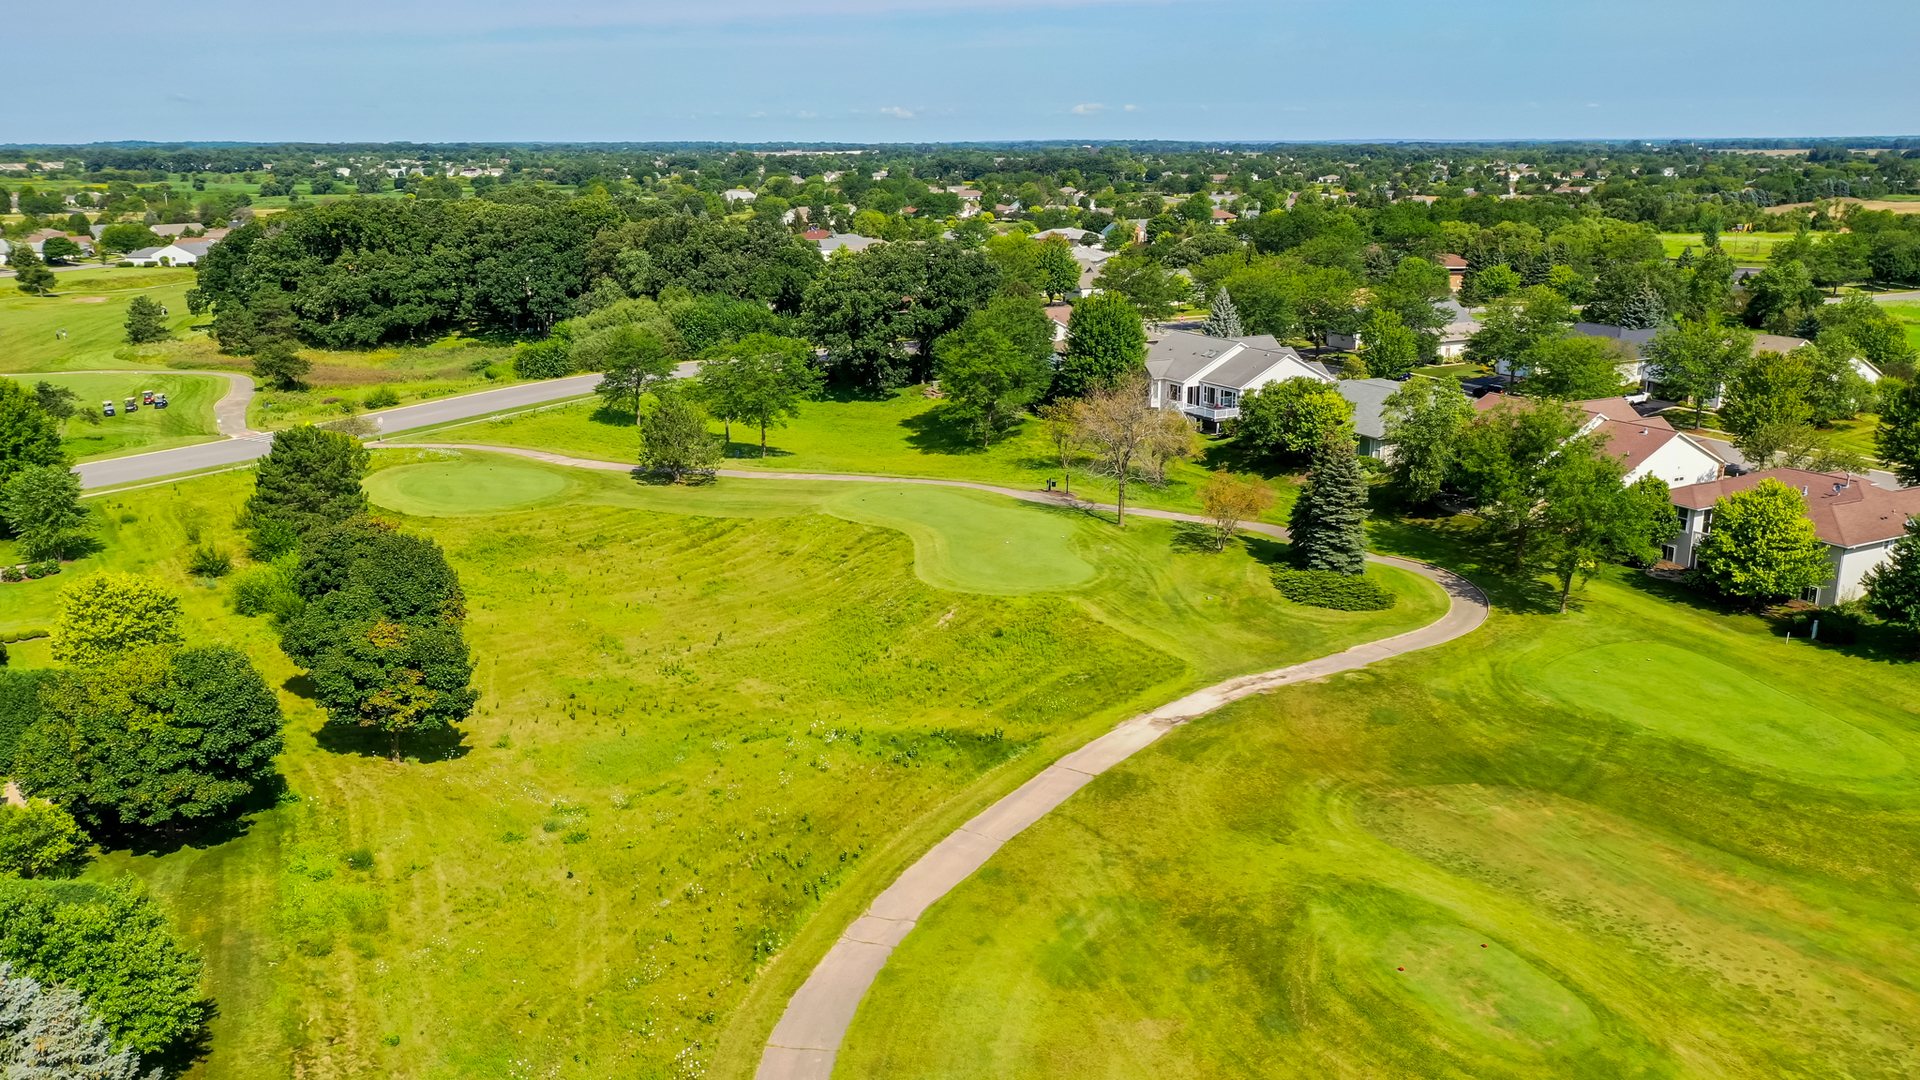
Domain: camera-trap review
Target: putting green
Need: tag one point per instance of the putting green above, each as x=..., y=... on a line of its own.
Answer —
x=973, y=541
x=463, y=488
x=1663, y=688
x=1481, y=993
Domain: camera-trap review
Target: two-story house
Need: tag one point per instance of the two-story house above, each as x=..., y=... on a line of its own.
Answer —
x=1205, y=377
x=1857, y=520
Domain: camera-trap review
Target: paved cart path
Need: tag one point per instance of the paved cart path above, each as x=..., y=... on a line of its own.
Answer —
x=807, y=1039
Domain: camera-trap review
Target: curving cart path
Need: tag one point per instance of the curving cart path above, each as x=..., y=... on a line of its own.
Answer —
x=807, y=1039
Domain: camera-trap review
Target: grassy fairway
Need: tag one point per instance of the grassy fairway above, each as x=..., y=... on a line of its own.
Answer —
x=1645, y=839
x=706, y=715
x=1747, y=249
x=1909, y=315
x=901, y=434
x=187, y=419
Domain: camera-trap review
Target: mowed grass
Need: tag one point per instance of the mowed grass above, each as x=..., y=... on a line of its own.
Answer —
x=1649, y=838
x=187, y=419
x=903, y=433
x=1747, y=249
x=712, y=720
x=1909, y=316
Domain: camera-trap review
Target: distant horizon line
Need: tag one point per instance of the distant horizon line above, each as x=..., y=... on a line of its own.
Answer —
x=1729, y=142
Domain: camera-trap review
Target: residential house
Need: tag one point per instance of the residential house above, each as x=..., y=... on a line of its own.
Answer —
x=170, y=255
x=1646, y=445
x=1456, y=269
x=739, y=195
x=1858, y=522
x=1205, y=377
x=853, y=242
x=1061, y=315
x=1221, y=217
x=1369, y=398
x=1460, y=328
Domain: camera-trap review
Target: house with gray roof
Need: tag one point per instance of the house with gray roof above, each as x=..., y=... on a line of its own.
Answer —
x=1369, y=398
x=1205, y=377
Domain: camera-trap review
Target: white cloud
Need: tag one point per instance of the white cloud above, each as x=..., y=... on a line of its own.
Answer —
x=1133, y=108
x=894, y=110
x=1090, y=108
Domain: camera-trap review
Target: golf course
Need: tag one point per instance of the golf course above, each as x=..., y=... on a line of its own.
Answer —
x=714, y=722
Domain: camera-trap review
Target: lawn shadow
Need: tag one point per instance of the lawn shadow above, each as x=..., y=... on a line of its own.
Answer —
x=844, y=393
x=663, y=478
x=183, y=1054
x=1193, y=538
x=199, y=835
x=939, y=431
x=1459, y=543
x=608, y=416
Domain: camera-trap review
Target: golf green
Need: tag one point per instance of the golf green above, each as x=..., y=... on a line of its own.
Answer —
x=1658, y=686
x=463, y=488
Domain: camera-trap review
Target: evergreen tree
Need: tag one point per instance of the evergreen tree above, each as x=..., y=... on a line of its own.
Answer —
x=1105, y=342
x=1643, y=309
x=144, y=321
x=31, y=276
x=1893, y=587
x=1329, y=521
x=311, y=478
x=1898, y=437
x=1223, y=321
x=276, y=361
x=47, y=1033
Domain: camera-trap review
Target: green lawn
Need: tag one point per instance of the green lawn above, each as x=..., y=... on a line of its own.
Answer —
x=708, y=716
x=902, y=433
x=1747, y=249
x=187, y=419
x=1648, y=838
x=1908, y=314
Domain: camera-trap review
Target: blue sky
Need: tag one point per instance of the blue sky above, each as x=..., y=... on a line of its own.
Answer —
x=913, y=70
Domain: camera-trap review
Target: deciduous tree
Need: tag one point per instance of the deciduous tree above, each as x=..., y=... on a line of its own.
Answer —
x=39, y=840
x=1387, y=347
x=1763, y=546
x=42, y=506
x=277, y=361
x=105, y=614
x=987, y=375
x=30, y=275
x=1695, y=358
x=1293, y=417
x=1423, y=421
x=635, y=359
x=674, y=438
x=1115, y=423
x=28, y=435
x=1229, y=501
x=1106, y=341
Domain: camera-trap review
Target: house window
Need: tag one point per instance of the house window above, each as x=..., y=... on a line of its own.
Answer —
x=1210, y=395
x=1811, y=596
x=1193, y=395
x=1227, y=398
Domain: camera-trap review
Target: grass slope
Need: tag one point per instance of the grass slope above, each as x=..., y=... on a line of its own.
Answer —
x=901, y=434
x=1645, y=839
x=707, y=715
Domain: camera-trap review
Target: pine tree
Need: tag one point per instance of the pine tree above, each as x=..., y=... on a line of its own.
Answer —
x=1329, y=522
x=1223, y=321
x=1643, y=309
x=46, y=1033
x=144, y=321
x=31, y=276
x=1893, y=588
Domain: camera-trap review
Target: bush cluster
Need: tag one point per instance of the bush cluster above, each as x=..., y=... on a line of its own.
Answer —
x=30, y=571
x=1330, y=589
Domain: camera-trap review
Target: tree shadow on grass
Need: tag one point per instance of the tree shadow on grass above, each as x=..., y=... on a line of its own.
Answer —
x=205, y=833
x=442, y=744
x=663, y=478
x=942, y=431
x=1193, y=538
x=177, y=1057
x=606, y=416
x=1459, y=542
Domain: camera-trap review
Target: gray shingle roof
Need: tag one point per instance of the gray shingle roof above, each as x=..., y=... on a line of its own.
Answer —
x=1182, y=354
x=1368, y=397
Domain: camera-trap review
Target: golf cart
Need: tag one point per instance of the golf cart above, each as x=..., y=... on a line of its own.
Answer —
x=106, y=408
x=159, y=401
x=133, y=406
x=146, y=397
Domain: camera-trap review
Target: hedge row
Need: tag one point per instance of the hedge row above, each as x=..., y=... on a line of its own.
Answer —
x=34, y=571
x=1331, y=589
x=11, y=636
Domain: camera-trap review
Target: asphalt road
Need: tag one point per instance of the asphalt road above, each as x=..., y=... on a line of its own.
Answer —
x=239, y=451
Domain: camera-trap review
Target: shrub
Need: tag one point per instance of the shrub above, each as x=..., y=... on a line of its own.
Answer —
x=382, y=397
x=34, y=571
x=209, y=561
x=39, y=840
x=549, y=359
x=11, y=573
x=265, y=590
x=1330, y=589
x=1840, y=624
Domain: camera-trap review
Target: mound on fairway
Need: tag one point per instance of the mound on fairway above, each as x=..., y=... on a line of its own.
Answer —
x=465, y=487
x=974, y=541
x=1683, y=694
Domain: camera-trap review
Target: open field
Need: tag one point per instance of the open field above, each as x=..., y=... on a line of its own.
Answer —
x=1645, y=839
x=91, y=306
x=706, y=714
x=1747, y=249
x=901, y=434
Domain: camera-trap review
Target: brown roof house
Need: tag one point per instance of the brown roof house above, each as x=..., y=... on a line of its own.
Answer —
x=1858, y=522
x=1646, y=445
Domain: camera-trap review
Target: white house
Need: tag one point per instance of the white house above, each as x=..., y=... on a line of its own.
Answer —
x=739, y=194
x=1205, y=377
x=1646, y=445
x=171, y=255
x=1858, y=522
x=1460, y=328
